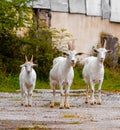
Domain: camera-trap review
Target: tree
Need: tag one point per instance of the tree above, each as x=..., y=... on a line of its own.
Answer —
x=38, y=42
x=14, y=14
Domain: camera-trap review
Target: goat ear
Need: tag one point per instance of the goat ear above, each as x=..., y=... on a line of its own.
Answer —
x=109, y=51
x=26, y=59
x=31, y=59
x=35, y=65
x=22, y=65
x=95, y=50
x=79, y=53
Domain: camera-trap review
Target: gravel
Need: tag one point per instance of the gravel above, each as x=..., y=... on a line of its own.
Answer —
x=40, y=116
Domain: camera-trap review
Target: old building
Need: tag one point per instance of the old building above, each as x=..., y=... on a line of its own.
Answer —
x=84, y=19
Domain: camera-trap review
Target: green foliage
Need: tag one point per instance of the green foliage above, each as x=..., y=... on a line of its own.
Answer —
x=14, y=49
x=14, y=14
x=10, y=53
x=109, y=62
x=41, y=46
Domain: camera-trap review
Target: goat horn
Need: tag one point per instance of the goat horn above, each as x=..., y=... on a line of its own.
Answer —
x=104, y=44
x=31, y=59
x=26, y=59
x=71, y=46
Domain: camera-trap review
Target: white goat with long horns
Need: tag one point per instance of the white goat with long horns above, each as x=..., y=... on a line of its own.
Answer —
x=27, y=80
x=93, y=72
x=62, y=75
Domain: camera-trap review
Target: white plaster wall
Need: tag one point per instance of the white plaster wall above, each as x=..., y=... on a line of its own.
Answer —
x=85, y=29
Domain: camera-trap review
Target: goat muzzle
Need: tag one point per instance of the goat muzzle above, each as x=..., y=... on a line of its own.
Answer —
x=73, y=64
x=28, y=72
x=102, y=60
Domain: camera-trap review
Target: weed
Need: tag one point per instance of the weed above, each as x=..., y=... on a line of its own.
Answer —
x=67, y=115
x=76, y=122
x=35, y=128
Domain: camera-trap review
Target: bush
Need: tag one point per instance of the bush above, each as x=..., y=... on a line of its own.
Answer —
x=10, y=53
x=13, y=49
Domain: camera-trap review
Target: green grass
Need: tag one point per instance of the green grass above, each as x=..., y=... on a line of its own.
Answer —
x=78, y=82
x=10, y=83
x=69, y=115
x=112, y=80
x=75, y=123
x=42, y=84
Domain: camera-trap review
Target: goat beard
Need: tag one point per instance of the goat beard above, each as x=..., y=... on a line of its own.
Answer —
x=73, y=65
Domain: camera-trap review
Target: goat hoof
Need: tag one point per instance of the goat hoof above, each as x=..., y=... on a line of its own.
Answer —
x=61, y=106
x=67, y=106
x=99, y=103
x=26, y=105
x=51, y=104
x=95, y=102
x=29, y=105
x=92, y=103
x=22, y=104
x=86, y=102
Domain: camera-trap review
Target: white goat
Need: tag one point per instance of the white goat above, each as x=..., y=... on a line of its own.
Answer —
x=93, y=72
x=62, y=75
x=27, y=80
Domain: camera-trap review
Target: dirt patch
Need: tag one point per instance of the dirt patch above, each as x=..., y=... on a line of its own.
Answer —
x=40, y=116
